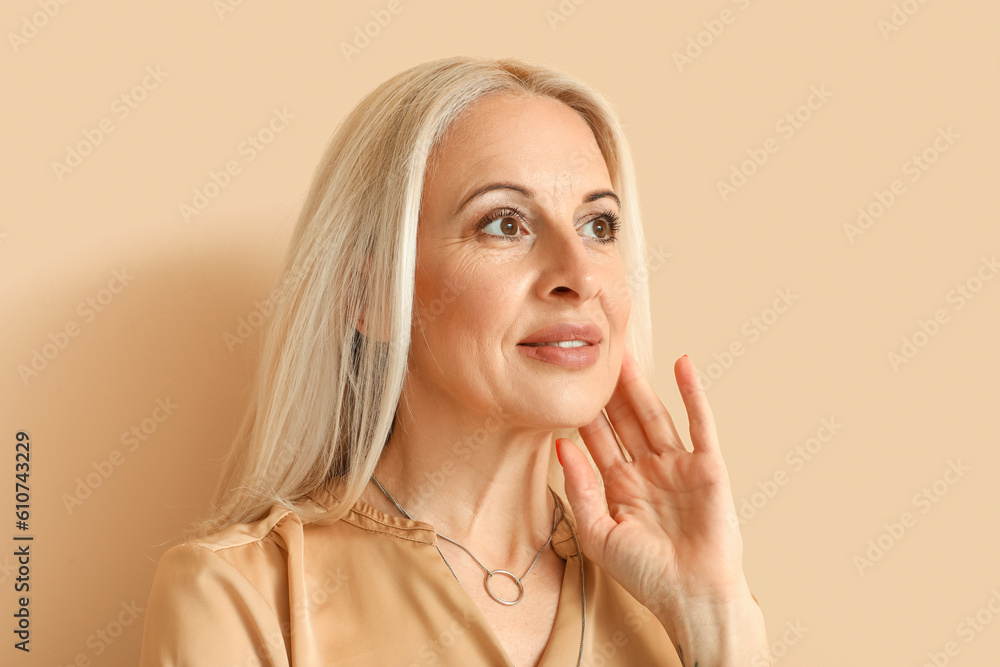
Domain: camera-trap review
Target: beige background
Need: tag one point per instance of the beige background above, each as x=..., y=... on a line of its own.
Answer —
x=223, y=74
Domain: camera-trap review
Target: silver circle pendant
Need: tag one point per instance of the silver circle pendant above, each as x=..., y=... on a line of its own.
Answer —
x=520, y=588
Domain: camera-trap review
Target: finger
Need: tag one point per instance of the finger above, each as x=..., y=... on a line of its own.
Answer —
x=702, y=423
x=586, y=499
x=601, y=442
x=638, y=414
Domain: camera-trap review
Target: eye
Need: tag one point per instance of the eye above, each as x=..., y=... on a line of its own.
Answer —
x=606, y=227
x=504, y=222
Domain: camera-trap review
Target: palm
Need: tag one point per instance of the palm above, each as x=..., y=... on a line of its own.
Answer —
x=670, y=527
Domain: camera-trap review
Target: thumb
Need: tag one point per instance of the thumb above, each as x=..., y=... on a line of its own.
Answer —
x=583, y=490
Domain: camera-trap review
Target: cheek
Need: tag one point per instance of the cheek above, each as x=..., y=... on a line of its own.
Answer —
x=624, y=308
x=618, y=299
x=618, y=313
x=458, y=300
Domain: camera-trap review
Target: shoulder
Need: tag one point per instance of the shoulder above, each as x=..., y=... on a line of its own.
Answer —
x=248, y=554
x=279, y=519
x=221, y=595
x=201, y=563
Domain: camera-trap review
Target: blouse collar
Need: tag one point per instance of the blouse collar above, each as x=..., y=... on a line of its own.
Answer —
x=368, y=517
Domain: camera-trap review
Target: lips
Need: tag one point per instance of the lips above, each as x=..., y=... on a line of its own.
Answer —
x=570, y=345
x=587, y=333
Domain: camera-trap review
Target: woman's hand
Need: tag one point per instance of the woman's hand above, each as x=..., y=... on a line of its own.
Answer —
x=669, y=535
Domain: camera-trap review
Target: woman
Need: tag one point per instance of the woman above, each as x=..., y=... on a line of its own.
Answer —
x=461, y=288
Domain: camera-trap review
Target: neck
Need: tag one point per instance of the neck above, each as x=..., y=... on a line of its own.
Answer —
x=481, y=480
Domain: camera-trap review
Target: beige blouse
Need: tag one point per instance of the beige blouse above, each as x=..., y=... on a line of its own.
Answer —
x=371, y=590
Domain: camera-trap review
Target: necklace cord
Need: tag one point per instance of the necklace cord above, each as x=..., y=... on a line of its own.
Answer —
x=489, y=573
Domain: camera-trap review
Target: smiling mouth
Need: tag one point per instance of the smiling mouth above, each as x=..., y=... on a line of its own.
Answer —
x=562, y=343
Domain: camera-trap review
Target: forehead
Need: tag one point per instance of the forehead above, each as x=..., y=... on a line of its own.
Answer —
x=518, y=137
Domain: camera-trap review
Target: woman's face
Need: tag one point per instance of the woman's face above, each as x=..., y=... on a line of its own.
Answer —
x=496, y=265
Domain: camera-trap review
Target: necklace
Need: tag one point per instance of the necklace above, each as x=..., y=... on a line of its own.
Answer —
x=489, y=573
x=511, y=575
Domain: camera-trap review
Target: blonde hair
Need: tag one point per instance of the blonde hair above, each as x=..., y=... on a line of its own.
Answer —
x=325, y=396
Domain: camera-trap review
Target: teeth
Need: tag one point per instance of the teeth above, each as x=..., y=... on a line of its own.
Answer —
x=564, y=343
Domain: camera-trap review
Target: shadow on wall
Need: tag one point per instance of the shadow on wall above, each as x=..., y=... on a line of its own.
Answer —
x=130, y=372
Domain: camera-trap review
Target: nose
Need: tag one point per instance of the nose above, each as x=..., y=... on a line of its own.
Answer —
x=567, y=268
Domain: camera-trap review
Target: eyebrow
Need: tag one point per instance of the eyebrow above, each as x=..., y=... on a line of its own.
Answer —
x=478, y=192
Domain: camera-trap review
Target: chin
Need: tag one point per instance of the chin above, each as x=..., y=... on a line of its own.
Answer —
x=573, y=418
